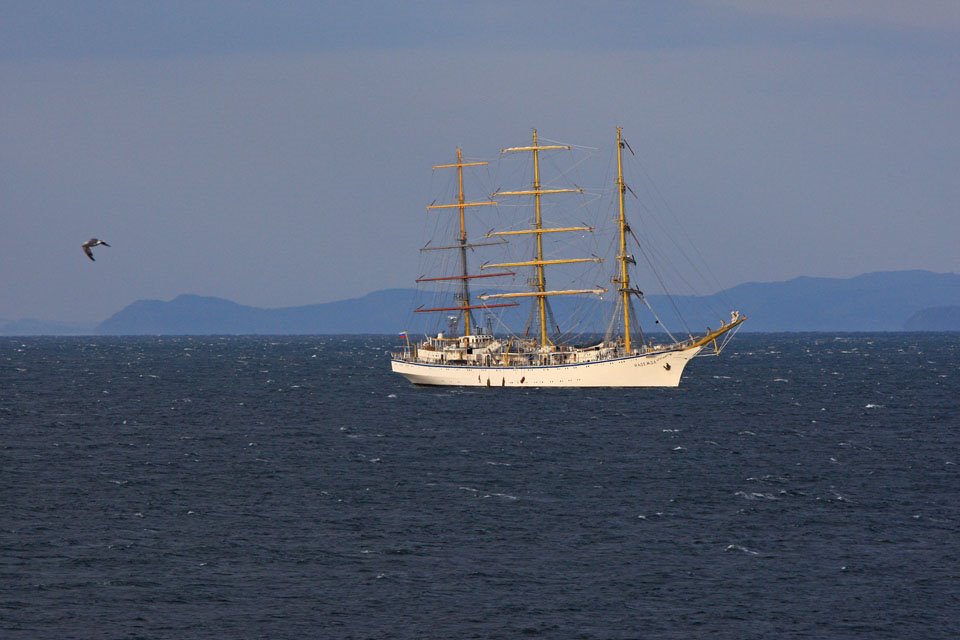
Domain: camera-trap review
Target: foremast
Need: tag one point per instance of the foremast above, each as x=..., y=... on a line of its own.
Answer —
x=624, y=258
x=539, y=264
x=623, y=279
x=464, y=306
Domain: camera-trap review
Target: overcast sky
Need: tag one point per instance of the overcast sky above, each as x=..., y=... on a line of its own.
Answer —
x=279, y=153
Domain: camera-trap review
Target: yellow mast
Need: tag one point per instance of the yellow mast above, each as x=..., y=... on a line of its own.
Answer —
x=538, y=262
x=461, y=205
x=624, y=280
x=463, y=245
x=538, y=224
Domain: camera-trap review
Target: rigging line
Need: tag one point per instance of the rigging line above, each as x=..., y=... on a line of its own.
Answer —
x=560, y=176
x=530, y=318
x=659, y=322
x=677, y=273
x=584, y=321
x=577, y=319
x=580, y=178
x=567, y=144
x=635, y=322
x=553, y=320
x=501, y=324
x=662, y=228
x=665, y=230
x=614, y=319
x=666, y=292
x=681, y=228
x=709, y=301
x=666, y=203
x=663, y=286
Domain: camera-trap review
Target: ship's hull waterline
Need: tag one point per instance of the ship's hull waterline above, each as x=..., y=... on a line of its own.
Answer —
x=662, y=369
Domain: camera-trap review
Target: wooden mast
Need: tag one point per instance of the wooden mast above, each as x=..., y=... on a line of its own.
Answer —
x=624, y=280
x=538, y=225
x=539, y=264
x=461, y=204
x=465, y=294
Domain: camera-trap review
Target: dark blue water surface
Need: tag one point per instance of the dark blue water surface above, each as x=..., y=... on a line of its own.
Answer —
x=800, y=486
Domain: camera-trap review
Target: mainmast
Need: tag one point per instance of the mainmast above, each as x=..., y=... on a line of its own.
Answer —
x=539, y=263
x=463, y=298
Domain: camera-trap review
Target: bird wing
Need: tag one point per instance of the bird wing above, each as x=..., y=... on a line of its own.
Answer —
x=87, y=251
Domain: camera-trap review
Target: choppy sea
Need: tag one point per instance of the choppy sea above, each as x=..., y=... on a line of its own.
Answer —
x=799, y=486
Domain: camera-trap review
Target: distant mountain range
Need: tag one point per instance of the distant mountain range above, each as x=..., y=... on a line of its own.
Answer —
x=885, y=301
x=934, y=319
x=34, y=327
x=377, y=312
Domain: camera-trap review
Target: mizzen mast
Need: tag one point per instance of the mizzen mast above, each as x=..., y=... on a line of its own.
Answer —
x=463, y=298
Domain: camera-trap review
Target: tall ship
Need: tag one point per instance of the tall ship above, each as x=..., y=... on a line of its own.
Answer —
x=539, y=354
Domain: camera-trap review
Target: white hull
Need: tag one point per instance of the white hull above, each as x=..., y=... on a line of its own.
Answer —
x=648, y=370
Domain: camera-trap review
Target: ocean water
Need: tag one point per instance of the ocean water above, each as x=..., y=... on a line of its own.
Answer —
x=800, y=486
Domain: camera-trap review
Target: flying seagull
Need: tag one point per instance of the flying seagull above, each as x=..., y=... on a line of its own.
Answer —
x=89, y=244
